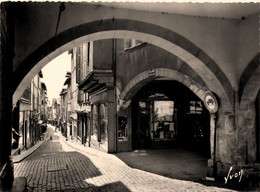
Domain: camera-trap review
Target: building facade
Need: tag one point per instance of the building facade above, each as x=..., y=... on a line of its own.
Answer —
x=152, y=105
x=63, y=111
x=30, y=113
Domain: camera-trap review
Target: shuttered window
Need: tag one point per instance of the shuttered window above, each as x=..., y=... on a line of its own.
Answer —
x=79, y=64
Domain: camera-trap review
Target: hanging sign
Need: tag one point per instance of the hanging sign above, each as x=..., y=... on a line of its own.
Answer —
x=210, y=102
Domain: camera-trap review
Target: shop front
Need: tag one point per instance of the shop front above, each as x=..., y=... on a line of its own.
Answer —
x=99, y=131
x=83, y=125
x=166, y=114
x=99, y=84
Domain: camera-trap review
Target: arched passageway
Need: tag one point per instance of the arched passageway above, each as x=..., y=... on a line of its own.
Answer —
x=170, y=129
x=186, y=124
x=211, y=53
x=164, y=38
x=166, y=114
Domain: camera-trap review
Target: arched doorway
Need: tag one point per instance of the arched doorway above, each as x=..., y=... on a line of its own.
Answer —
x=166, y=114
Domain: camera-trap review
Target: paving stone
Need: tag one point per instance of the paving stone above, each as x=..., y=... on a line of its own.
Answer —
x=91, y=170
x=19, y=184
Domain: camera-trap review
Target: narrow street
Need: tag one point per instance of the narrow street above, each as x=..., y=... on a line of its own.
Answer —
x=58, y=166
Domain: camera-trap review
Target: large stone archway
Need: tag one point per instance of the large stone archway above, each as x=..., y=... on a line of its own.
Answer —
x=164, y=38
x=249, y=81
x=246, y=116
x=143, y=78
x=139, y=81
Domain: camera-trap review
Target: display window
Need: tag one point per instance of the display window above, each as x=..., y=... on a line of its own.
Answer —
x=195, y=107
x=167, y=114
x=103, y=123
x=95, y=122
x=122, y=128
x=162, y=121
x=100, y=124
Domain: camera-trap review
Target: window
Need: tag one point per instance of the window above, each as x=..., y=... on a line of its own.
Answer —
x=95, y=122
x=100, y=123
x=195, y=107
x=88, y=54
x=79, y=71
x=163, y=124
x=122, y=128
x=103, y=123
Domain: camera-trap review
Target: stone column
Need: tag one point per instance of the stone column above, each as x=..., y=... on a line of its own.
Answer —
x=211, y=161
x=111, y=121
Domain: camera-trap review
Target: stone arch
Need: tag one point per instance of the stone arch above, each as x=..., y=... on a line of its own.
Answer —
x=124, y=28
x=143, y=78
x=249, y=81
x=246, y=115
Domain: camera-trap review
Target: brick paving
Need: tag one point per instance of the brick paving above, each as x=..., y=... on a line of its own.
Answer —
x=59, y=165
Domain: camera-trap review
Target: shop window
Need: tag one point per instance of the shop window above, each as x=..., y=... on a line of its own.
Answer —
x=95, y=122
x=100, y=123
x=88, y=59
x=163, y=123
x=195, y=107
x=122, y=128
x=79, y=128
x=103, y=123
x=83, y=97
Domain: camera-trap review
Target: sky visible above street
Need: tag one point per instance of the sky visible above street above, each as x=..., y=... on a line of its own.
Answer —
x=54, y=74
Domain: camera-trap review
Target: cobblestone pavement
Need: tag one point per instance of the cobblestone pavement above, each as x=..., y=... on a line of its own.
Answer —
x=56, y=166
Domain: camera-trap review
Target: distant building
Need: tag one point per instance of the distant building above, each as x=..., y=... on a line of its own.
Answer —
x=30, y=113
x=63, y=111
x=69, y=118
x=44, y=102
x=80, y=105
